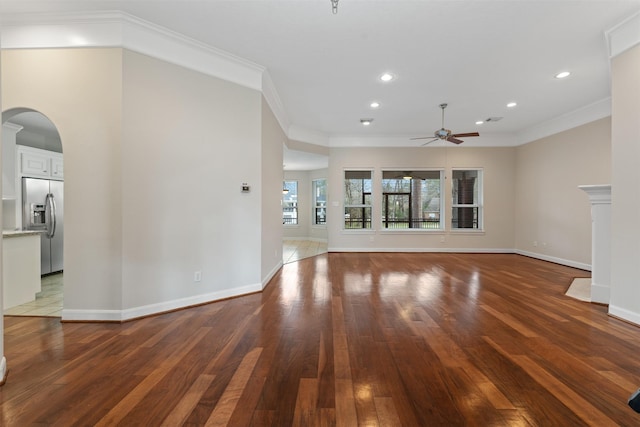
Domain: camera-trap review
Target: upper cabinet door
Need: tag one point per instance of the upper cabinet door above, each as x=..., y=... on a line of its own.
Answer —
x=57, y=167
x=35, y=164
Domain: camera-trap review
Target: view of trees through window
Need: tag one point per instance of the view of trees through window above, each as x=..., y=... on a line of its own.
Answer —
x=411, y=199
x=357, y=199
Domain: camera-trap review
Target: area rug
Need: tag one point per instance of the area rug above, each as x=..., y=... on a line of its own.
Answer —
x=580, y=289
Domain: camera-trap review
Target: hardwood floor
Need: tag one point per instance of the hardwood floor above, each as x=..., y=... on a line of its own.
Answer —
x=342, y=339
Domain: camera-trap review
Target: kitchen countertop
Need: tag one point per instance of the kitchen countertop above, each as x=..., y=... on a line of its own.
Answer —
x=18, y=233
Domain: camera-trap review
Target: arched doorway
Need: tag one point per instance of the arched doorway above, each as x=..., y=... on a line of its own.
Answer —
x=33, y=203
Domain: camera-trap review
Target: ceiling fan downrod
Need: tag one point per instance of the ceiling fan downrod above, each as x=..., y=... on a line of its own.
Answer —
x=443, y=106
x=334, y=6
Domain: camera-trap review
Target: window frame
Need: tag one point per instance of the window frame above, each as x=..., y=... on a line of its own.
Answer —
x=364, y=206
x=295, y=210
x=478, y=204
x=385, y=194
x=316, y=206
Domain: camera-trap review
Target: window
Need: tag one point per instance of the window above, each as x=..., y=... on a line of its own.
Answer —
x=357, y=199
x=411, y=199
x=466, y=187
x=319, y=201
x=290, y=203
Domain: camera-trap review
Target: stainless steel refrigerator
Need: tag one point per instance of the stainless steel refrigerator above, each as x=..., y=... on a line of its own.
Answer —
x=43, y=209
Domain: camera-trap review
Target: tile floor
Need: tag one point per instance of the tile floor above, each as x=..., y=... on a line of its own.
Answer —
x=48, y=302
x=294, y=250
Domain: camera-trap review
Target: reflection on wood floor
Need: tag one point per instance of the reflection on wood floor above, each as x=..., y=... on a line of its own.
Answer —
x=294, y=250
x=342, y=339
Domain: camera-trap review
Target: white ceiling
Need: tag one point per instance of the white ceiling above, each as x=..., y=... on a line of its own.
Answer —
x=475, y=55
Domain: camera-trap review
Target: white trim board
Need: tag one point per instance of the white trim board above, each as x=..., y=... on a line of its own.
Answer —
x=158, y=308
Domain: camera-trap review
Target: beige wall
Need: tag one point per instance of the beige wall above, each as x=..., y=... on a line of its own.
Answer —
x=80, y=91
x=273, y=138
x=189, y=142
x=498, y=165
x=305, y=228
x=625, y=208
x=553, y=216
x=155, y=156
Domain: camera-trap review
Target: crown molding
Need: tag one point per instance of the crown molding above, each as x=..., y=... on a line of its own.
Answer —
x=302, y=134
x=118, y=29
x=275, y=103
x=623, y=36
x=12, y=127
x=589, y=113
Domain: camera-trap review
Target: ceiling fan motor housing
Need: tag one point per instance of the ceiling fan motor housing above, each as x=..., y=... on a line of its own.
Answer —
x=442, y=133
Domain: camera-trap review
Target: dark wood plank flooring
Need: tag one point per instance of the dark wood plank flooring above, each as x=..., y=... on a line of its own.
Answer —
x=351, y=339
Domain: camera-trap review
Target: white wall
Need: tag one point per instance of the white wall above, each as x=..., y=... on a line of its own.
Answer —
x=499, y=186
x=553, y=216
x=80, y=91
x=625, y=207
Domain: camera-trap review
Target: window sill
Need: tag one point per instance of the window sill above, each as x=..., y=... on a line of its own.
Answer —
x=412, y=231
x=468, y=231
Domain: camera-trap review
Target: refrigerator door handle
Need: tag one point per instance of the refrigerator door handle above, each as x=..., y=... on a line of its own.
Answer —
x=51, y=215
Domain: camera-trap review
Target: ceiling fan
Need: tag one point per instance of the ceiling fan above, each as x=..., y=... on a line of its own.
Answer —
x=445, y=134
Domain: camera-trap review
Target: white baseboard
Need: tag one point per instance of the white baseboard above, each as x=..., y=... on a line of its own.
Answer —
x=624, y=314
x=568, y=263
x=600, y=293
x=426, y=250
x=272, y=273
x=71, y=315
x=561, y=261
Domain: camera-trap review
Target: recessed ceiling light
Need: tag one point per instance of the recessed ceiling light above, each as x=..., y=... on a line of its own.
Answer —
x=563, y=74
x=479, y=122
x=387, y=77
x=511, y=104
x=374, y=104
x=366, y=122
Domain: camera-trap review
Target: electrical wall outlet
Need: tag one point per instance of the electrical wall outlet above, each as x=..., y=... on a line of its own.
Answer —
x=197, y=276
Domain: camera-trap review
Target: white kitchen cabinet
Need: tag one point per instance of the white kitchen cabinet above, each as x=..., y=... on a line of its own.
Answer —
x=36, y=163
x=57, y=166
x=21, y=267
x=9, y=131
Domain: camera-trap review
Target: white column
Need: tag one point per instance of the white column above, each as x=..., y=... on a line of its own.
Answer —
x=600, y=198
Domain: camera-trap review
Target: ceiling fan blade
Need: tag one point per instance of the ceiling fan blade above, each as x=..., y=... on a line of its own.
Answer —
x=466, y=135
x=429, y=142
x=454, y=140
x=420, y=137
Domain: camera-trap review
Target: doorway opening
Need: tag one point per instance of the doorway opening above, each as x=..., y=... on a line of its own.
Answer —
x=33, y=212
